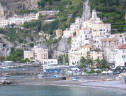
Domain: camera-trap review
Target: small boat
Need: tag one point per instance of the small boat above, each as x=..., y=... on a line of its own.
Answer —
x=40, y=76
x=75, y=79
x=124, y=78
x=4, y=67
x=4, y=81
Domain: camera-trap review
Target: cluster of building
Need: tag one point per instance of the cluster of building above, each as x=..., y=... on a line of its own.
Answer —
x=39, y=54
x=91, y=38
x=19, y=20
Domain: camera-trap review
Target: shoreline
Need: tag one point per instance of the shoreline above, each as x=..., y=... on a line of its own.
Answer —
x=69, y=83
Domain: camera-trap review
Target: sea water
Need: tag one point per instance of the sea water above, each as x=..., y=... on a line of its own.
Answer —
x=38, y=90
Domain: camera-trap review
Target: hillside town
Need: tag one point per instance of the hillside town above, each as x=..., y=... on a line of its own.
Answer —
x=20, y=20
x=93, y=37
x=92, y=52
x=90, y=38
x=62, y=47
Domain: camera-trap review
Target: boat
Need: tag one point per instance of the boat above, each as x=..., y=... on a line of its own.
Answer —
x=4, y=81
x=75, y=78
x=124, y=78
x=41, y=76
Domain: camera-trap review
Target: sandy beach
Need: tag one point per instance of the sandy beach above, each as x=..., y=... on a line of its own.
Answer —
x=80, y=83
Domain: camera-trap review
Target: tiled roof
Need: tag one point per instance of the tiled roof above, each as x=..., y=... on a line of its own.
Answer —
x=87, y=46
x=85, y=28
x=109, y=39
x=122, y=46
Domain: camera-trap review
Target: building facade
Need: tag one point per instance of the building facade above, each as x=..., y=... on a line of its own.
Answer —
x=36, y=54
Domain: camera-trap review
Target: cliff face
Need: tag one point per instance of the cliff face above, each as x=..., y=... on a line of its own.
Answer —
x=13, y=6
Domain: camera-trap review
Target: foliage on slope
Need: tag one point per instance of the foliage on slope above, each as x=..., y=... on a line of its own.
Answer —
x=112, y=11
x=68, y=10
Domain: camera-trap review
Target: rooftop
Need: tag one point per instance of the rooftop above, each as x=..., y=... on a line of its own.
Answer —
x=122, y=46
x=109, y=39
x=87, y=46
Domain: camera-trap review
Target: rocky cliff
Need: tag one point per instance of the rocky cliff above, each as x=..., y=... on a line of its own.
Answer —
x=10, y=7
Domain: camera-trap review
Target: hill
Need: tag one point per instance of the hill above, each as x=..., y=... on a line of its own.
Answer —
x=68, y=10
x=112, y=11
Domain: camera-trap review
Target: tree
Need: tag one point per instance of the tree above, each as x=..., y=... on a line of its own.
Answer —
x=26, y=60
x=89, y=62
x=82, y=62
x=60, y=59
x=31, y=44
x=104, y=64
x=16, y=55
x=69, y=40
x=2, y=58
x=98, y=63
x=66, y=59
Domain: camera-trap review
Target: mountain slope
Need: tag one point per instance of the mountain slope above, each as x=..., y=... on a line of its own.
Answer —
x=112, y=11
x=14, y=6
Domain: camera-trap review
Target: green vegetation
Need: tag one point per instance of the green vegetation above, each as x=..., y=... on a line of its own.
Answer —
x=16, y=55
x=102, y=64
x=60, y=59
x=112, y=11
x=31, y=44
x=52, y=41
x=20, y=36
x=22, y=12
x=68, y=11
x=2, y=58
x=26, y=60
x=33, y=25
x=66, y=59
x=69, y=40
x=12, y=35
x=87, y=62
x=63, y=59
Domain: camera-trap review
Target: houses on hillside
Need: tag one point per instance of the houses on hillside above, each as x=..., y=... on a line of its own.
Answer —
x=39, y=54
x=90, y=38
x=19, y=20
x=93, y=38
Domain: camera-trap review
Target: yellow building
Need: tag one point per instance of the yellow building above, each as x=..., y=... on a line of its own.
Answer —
x=59, y=33
x=29, y=55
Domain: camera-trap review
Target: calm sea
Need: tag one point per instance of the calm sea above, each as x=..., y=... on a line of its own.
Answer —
x=35, y=90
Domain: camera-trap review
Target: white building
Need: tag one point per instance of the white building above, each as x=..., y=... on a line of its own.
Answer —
x=28, y=55
x=108, y=46
x=49, y=64
x=93, y=31
x=18, y=20
x=88, y=36
x=37, y=54
x=120, y=57
x=49, y=12
x=73, y=27
x=40, y=53
x=49, y=61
